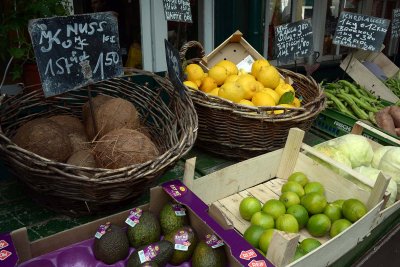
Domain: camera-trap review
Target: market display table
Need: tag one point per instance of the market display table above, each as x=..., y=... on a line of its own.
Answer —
x=18, y=210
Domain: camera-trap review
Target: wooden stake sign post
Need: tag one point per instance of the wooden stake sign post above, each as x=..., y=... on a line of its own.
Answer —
x=75, y=51
x=175, y=71
x=294, y=40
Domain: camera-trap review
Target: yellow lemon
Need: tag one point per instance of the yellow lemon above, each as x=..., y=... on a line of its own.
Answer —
x=246, y=102
x=191, y=84
x=281, y=89
x=231, y=92
x=231, y=78
x=259, y=86
x=281, y=81
x=207, y=84
x=263, y=99
x=272, y=93
x=248, y=84
x=296, y=102
x=242, y=71
x=280, y=111
x=229, y=66
x=194, y=73
x=218, y=73
x=214, y=91
x=257, y=65
x=269, y=76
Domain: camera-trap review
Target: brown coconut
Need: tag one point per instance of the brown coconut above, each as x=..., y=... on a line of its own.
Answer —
x=123, y=147
x=96, y=102
x=83, y=158
x=45, y=138
x=114, y=114
x=79, y=142
x=70, y=124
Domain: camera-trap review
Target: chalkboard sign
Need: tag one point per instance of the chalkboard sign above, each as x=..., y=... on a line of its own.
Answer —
x=396, y=23
x=74, y=51
x=175, y=72
x=294, y=40
x=360, y=31
x=177, y=10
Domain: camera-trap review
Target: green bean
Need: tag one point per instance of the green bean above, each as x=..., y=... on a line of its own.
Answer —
x=369, y=94
x=358, y=111
x=339, y=104
x=371, y=116
x=362, y=104
x=351, y=87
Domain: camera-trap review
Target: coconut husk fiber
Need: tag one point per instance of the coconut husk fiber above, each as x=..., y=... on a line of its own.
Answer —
x=44, y=138
x=83, y=158
x=123, y=147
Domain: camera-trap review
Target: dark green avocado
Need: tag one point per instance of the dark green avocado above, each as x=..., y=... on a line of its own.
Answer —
x=113, y=246
x=204, y=256
x=180, y=256
x=146, y=232
x=165, y=251
x=169, y=221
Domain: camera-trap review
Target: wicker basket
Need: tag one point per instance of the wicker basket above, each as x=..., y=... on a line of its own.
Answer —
x=73, y=190
x=238, y=131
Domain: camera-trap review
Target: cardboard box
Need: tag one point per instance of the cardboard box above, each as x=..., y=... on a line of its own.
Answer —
x=363, y=76
x=263, y=177
x=235, y=49
x=238, y=251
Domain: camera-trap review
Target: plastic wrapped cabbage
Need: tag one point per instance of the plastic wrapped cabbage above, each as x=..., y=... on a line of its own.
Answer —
x=329, y=150
x=356, y=148
x=378, y=154
x=372, y=174
x=390, y=164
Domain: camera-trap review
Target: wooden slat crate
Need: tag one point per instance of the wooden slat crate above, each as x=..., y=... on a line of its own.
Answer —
x=363, y=76
x=263, y=177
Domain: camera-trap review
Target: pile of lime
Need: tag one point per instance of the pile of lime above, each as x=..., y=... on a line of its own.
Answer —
x=302, y=204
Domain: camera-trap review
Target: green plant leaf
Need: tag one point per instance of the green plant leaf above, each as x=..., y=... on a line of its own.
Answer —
x=17, y=52
x=286, y=98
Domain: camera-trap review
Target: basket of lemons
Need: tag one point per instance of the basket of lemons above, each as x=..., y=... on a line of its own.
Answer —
x=244, y=114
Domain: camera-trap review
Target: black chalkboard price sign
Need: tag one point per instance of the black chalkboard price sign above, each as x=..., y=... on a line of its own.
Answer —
x=360, y=31
x=175, y=72
x=294, y=40
x=177, y=10
x=396, y=23
x=74, y=51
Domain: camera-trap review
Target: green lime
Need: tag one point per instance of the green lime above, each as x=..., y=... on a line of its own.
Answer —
x=339, y=226
x=300, y=213
x=318, y=225
x=334, y=212
x=265, y=239
x=289, y=199
x=253, y=234
x=274, y=207
x=249, y=206
x=338, y=202
x=263, y=219
x=353, y=209
x=298, y=177
x=293, y=187
x=298, y=254
x=314, y=187
x=314, y=202
x=309, y=244
x=287, y=223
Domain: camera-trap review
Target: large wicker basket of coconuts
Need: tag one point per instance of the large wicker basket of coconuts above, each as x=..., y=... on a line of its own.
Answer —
x=142, y=126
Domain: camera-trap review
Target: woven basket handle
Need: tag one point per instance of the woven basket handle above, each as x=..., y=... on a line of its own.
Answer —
x=189, y=45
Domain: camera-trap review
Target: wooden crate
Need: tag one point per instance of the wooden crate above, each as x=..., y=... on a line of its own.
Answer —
x=363, y=76
x=263, y=176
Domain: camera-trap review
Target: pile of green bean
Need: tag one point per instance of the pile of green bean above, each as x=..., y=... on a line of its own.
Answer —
x=352, y=100
x=394, y=85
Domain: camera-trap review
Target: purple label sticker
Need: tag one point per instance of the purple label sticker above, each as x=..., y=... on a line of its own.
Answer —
x=175, y=190
x=134, y=216
x=179, y=210
x=213, y=241
x=182, y=240
x=102, y=230
x=148, y=253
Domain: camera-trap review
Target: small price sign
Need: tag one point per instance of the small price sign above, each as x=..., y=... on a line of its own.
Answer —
x=177, y=10
x=396, y=23
x=175, y=71
x=74, y=51
x=294, y=40
x=360, y=31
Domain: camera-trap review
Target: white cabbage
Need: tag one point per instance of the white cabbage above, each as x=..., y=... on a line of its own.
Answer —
x=390, y=164
x=329, y=150
x=356, y=148
x=378, y=154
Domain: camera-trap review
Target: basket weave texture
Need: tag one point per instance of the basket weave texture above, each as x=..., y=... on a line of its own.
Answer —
x=238, y=131
x=170, y=117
